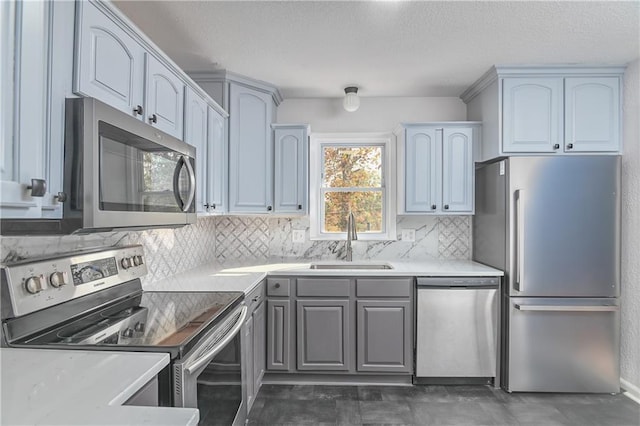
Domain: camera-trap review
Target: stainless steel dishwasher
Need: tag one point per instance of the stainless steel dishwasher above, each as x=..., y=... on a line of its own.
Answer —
x=456, y=330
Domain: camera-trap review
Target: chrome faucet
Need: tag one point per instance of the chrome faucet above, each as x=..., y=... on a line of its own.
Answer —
x=352, y=235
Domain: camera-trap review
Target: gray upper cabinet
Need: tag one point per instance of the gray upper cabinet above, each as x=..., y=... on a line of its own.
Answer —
x=164, y=98
x=290, y=168
x=592, y=114
x=435, y=164
x=532, y=110
x=217, y=164
x=385, y=337
x=250, y=151
x=323, y=334
x=195, y=133
x=549, y=110
x=109, y=61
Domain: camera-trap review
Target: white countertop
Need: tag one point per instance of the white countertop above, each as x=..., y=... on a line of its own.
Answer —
x=243, y=276
x=41, y=386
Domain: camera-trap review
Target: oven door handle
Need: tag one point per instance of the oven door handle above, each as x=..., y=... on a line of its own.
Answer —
x=207, y=356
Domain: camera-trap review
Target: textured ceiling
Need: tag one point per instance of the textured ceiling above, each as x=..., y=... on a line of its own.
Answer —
x=387, y=48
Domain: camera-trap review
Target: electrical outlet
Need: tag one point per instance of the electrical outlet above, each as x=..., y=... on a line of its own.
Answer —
x=298, y=235
x=409, y=235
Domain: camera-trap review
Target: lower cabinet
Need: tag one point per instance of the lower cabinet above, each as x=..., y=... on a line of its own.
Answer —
x=385, y=341
x=253, y=340
x=323, y=341
x=340, y=325
x=278, y=334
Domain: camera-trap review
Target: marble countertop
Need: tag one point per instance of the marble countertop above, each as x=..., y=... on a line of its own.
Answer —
x=41, y=386
x=245, y=275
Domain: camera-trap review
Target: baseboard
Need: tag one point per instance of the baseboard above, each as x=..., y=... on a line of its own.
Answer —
x=630, y=390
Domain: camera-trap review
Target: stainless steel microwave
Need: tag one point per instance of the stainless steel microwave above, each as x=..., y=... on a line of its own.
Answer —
x=119, y=172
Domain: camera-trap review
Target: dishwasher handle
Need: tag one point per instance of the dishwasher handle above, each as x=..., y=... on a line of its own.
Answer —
x=458, y=282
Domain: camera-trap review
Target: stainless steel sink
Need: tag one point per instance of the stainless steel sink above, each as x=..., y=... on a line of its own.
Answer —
x=350, y=266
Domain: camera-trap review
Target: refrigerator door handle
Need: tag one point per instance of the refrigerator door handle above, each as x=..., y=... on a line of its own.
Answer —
x=561, y=308
x=519, y=216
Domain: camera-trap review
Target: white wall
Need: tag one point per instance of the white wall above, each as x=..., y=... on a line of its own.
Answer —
x=630, y=287
x=375, y=114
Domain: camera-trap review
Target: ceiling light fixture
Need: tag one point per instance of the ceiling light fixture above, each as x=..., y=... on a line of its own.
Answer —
x=351, y=101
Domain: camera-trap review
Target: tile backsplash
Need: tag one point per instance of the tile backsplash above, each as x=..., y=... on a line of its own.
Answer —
x=168, y=251
x=229, y=238
x=447, y=237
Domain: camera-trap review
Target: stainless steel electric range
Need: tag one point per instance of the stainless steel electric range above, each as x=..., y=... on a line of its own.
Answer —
x=93, y=300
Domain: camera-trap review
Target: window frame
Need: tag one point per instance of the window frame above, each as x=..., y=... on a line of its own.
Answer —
x=316, y=191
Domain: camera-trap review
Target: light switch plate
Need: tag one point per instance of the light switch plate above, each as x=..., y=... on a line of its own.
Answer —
x=298, y=235
x=409, y=235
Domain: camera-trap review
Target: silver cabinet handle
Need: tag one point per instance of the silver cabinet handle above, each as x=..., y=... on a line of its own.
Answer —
x=519, y=216
x=563, y=308
x=205, y=358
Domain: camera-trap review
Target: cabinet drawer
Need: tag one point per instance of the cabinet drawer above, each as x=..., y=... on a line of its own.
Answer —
x=323, y=287
x=278, y=287
x=369, y=287
x=255, y=297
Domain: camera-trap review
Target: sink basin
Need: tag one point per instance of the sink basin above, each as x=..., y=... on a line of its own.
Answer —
x=350, y=266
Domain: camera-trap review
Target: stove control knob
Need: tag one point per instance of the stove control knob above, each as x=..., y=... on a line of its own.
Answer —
x=58, y=279
x=140, y=261
x=125, y=263
x=137, y=260
x=139, y=327
x=34, y=284
x=128, y=333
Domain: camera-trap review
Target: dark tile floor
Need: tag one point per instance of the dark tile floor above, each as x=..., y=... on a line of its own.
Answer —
x=435, y=405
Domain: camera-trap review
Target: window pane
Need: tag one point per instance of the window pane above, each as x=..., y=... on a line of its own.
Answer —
x=365, y=205
x=352, y=166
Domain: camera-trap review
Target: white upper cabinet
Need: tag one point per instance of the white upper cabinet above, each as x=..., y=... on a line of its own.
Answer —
x=531, y=114
x=549, y=110
x=250, y=151
x=457, y=170
x=217, y=162
x=421, y=170
x=290, y=168
x=109, y=62
x=164, y=98
x=36, y=68
x=435, y=164
x=592, y=114
x=195, y=133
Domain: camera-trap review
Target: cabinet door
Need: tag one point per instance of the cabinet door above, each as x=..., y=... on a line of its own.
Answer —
x=422, y=170
x=164, y=98
x=250, y=151
x=592, y=114
x=384, y=335
x=217, y=162
x=278, y=334
x=259, y=349
x=290, y=174
x=247, y=360
x=195, y=133
x=25, y=39
x=109, y=62
x=531, y=114
x=323, y=334
x=457, y=170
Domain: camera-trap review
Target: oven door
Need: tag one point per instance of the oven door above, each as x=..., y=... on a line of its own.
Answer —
x=216, y=363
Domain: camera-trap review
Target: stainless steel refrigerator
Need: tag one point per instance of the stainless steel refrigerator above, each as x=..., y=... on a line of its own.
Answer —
x=553, y=225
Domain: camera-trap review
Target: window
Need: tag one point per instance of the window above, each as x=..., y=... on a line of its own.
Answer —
x=351, y=173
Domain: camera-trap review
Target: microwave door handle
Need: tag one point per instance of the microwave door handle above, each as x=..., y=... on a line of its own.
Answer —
x=208, y=356
x=176, y=183
x=192, y=185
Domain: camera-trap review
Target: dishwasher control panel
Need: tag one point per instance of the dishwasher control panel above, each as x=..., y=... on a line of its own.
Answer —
x=458, y=281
